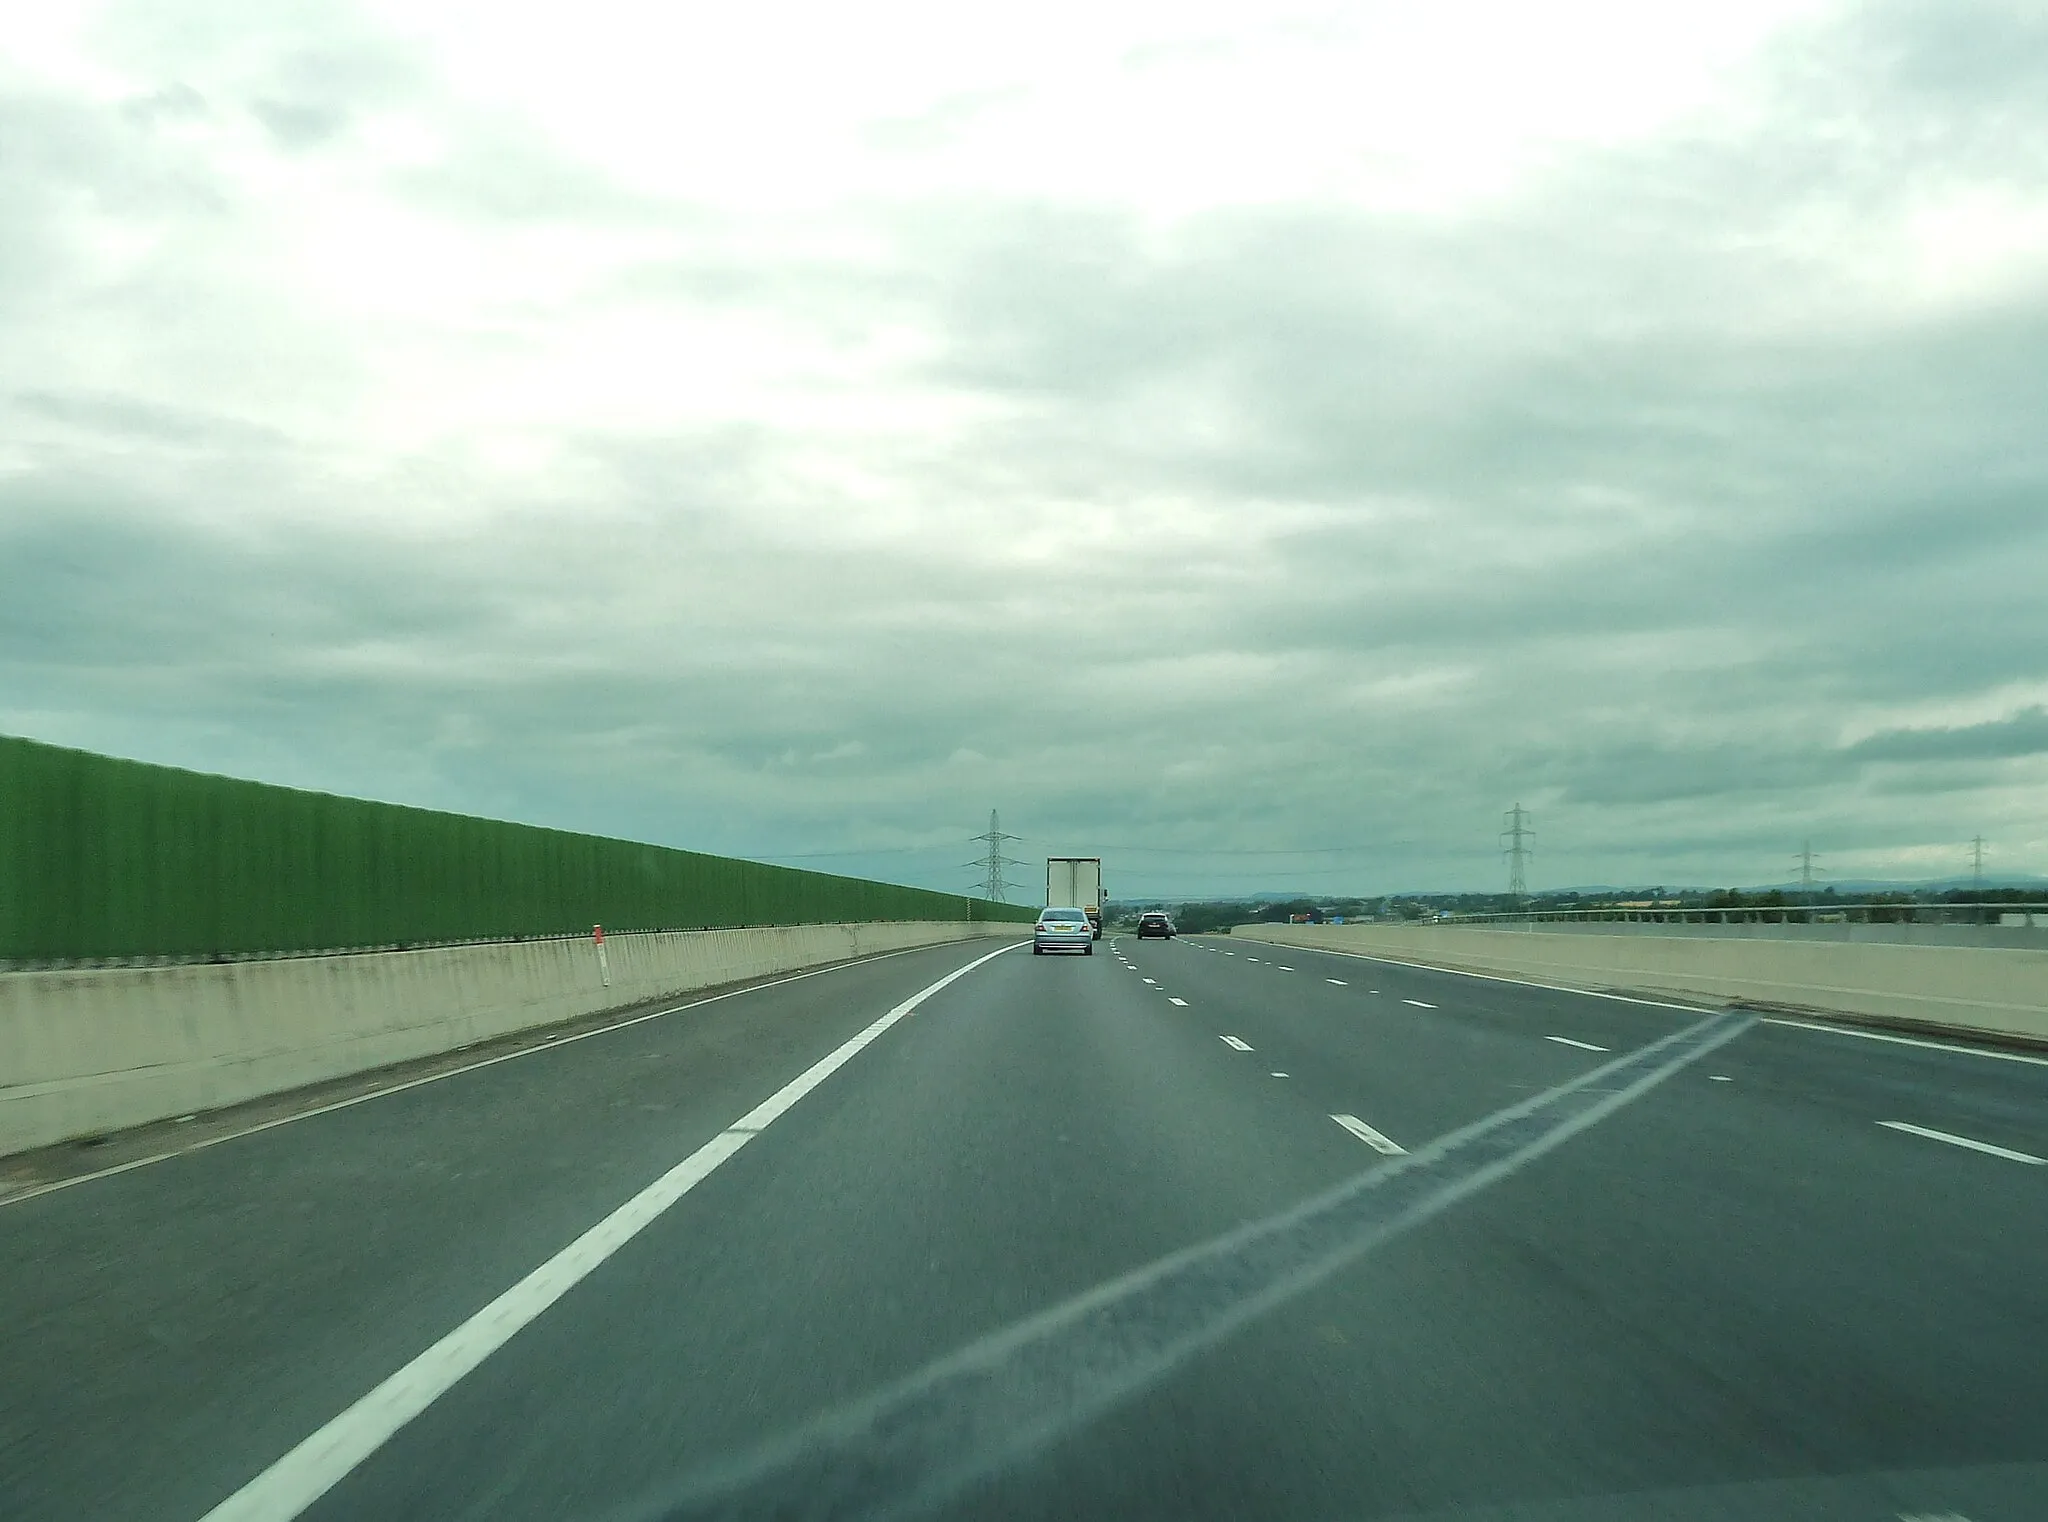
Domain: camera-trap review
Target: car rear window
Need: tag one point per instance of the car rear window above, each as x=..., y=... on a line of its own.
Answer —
x=1063, y=916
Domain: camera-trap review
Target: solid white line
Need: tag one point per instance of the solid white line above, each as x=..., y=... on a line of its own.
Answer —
x=1939, y=1046
x=1369, y=1136
x=1181, y=1002
x=1495, y=977
x=1964, y=1141
x=553, y=1043
x=318, y=1463
x=1584, y=1046
x=1418, y=1004
x=1242, y=1046
x=1338, y=981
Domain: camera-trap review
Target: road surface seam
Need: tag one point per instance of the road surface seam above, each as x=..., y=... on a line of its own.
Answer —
x=911, y=1447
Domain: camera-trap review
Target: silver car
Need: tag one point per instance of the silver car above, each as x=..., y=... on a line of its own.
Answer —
x=1063, y=930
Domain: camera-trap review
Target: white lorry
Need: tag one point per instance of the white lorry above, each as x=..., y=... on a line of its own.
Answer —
x=1075, y=882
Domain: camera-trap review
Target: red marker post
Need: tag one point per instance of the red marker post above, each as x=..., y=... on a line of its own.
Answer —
x=604, y=966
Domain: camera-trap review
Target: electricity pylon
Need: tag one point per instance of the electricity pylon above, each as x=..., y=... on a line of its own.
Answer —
x=1515, y=846
x=1807, y=870
x=993, y=887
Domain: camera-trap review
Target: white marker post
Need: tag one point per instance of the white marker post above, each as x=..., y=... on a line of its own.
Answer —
x=604, y=966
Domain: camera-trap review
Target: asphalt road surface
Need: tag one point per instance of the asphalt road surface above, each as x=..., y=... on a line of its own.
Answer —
x=1191, y=1229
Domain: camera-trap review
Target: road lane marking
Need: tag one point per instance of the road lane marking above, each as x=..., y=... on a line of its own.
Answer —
x=1181, y=1002
x=298, y=1479
x=1153, y=981
x=1584, y=1046
x=1378, y=1141
x=1283, y=969
x=1242, y=1046
x=913, y=1446
x=1719, y=1078
x=1338, y=981
x=1939, y=1046
x=1690, y=1009
x=1251, y=959
x=1416, y=1002
x=553, y=1043
x=1276, y=1075
x=1963, y=1141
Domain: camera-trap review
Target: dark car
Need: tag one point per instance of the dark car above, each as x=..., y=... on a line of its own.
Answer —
x=1155, y=925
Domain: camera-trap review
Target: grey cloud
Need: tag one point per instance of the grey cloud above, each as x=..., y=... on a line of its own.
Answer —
x=124, y=415
x=2024, y=733
x=1599, y=497
x=175, y=102
x=301, y=124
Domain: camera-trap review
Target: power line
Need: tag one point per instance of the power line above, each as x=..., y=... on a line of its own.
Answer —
x=1139, y=874
x=823, y=855
x=1244, y=851
x=1230, y=852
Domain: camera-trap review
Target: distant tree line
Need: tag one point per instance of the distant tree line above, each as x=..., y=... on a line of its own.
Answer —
x=1196, y=916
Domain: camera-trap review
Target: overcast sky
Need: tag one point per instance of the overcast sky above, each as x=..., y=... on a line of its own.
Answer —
x=1200, y=431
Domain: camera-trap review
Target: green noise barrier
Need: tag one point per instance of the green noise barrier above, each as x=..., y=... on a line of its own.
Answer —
x=103, y=859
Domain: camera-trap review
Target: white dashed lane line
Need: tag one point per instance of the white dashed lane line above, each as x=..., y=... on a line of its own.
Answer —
x=1960, y=1141
x=1338, y=981
x=1416, y=1002
x=1181, y=1002
x=1153, y=981
x=1584, y=1046
x=1242, y=1046
x=1277, y=1075
x=1373, y=1139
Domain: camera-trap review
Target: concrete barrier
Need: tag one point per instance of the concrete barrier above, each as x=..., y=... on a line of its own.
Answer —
x=1979, y=990
x=87, y=1051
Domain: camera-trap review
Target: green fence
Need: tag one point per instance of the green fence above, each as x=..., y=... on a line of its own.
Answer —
x=102, y=858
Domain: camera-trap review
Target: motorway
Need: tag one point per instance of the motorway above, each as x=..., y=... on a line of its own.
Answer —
x=1191, y=1229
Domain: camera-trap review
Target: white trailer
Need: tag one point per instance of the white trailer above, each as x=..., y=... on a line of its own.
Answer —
x=1075, y=882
